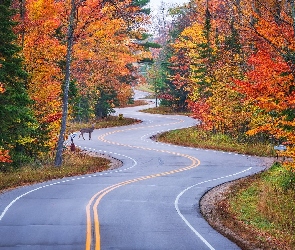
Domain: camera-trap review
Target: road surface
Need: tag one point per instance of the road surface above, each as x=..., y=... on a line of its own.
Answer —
x=150, y=203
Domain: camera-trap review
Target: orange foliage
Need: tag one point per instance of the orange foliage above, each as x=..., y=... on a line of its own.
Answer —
x=102, y=56
x=241, y=69
x=4, y=156
x=43, y=52
x=102, y=52
x=2, y=88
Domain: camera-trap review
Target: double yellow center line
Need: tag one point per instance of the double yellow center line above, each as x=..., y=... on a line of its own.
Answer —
x=93, y=231
x=98, y=196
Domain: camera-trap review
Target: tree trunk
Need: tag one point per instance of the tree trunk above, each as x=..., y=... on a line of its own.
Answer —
x=70, y=41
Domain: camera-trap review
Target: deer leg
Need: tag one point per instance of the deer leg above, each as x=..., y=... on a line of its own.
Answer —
x=89, y=135
x=83, y=136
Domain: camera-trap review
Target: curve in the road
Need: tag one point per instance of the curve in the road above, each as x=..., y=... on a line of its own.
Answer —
x=94, y=202
x=185, y=190
x=89, y=192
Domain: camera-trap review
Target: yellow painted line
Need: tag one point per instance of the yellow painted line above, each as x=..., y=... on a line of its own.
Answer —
x=88, y=217
x=98, y=196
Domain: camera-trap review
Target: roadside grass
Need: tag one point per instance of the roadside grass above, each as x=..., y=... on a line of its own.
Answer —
x=134, y=104
x=146, y=88
x=110, y=121
x=74, y=163
x=163, y=111
x=199, y=138
x=265, y=205
x=196, y=137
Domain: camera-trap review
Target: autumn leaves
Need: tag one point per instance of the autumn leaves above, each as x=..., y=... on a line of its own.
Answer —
x=231, y=62
x=234, y=63
x=102, y=60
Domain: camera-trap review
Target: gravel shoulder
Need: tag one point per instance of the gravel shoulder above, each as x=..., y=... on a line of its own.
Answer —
x=217, y=216
x=214, y=208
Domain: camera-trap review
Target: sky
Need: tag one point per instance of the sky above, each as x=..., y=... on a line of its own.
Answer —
x=154, y=4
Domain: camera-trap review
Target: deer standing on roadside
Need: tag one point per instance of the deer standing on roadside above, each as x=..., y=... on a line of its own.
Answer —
x=86, y=130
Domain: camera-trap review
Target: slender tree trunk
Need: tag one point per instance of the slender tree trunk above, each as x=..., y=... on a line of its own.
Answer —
x=70, y=41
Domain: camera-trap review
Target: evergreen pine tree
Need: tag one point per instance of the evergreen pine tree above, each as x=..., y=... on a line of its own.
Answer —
x=17, y=122
x=204, y=60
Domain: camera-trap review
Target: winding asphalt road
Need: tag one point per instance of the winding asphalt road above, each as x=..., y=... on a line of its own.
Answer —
x=151, y=203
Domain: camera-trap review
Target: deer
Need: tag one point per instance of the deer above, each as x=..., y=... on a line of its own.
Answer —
x=86, y=130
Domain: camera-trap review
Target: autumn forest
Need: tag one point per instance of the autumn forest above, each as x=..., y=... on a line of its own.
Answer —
x=229, y=62
x=62, y=60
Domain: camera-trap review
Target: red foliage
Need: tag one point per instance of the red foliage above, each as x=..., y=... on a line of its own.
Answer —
x=167, y=97
x=4, y=156
x=53, y=117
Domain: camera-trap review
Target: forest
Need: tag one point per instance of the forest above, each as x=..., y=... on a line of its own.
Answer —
x=64, y=60
x=229, y=62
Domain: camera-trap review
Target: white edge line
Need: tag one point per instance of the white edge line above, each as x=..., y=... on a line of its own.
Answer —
x=33, y=190
x=185, y=220
x=17, y=198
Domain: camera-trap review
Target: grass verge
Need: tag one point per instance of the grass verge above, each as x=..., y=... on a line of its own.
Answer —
x=262, y=208
x=76, y=163
x=135, y=104
x=163, y=111
x=146, y=88
x=110, y=121
x=195, y=137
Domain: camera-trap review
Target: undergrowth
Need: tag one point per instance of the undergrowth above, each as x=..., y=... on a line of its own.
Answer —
x=267, y=205
x=163, y=111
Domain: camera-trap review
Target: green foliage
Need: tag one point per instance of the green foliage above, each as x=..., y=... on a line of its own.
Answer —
x=204, y=60
x=165, y=67
x=232, y=42
x=280, y=178
x=82, y=110
x=19, y=131
x=142, y=4
x=146, y=60
x=106, y=102
x=148, y=45
x=143, y=36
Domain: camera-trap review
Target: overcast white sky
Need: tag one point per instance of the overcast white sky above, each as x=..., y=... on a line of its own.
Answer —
x=154, y=4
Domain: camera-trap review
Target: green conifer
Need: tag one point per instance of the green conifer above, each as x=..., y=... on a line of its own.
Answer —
x=17, y=121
